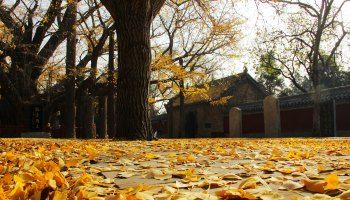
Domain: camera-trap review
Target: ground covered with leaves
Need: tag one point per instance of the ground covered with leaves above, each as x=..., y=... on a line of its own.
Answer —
x=175, y=169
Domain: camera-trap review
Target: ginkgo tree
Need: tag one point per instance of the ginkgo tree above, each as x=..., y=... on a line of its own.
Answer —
x=32, y=38
x=310, y=42
x=192, y=39
x=94, y=33
x=34, y=41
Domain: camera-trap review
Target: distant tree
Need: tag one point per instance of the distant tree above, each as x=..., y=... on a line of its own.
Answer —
x=31, y=56
x=268, y=75
x=30, y=42
x=191, y=41
x=333, y=75
x=95, y=36
x=272, y=77
x=313, y=28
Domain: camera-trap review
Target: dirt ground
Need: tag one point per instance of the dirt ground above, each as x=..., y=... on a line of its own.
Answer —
x=175, y=169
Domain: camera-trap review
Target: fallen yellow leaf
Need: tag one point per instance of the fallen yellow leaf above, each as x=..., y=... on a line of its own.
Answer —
x=315, y=186
x=332, y=182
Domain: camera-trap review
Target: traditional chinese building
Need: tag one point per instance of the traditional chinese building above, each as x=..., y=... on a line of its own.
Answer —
x=207, y=115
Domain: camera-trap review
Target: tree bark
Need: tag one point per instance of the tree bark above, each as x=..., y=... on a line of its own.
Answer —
x=70, y=111
x=89, y=109
x=317, y=111
x=316, y=125
x=111, y=82
x=101, y=127
x=81, y=96
x=316, y=122
x=182, y=122
x=182, y=110
x=11, y=104
x=134, y=60
x=89, y=118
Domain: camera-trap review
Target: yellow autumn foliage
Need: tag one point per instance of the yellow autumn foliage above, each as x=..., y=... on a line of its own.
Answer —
x=185, y=168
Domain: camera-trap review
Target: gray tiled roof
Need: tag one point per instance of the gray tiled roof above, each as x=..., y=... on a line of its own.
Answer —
x=339, y=94
x=221, y=88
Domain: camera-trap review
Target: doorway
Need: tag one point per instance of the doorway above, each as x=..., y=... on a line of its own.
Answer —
x=191, y=126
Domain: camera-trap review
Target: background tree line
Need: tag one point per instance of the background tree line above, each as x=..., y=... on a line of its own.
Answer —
x=57, y=50
x=307, y=50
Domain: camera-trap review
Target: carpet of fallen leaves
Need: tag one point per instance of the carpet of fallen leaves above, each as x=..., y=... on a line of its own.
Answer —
x=175, y=169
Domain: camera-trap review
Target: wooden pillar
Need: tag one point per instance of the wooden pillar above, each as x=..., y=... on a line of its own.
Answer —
x=235, y=122
x=101, y=126
x=272, y=116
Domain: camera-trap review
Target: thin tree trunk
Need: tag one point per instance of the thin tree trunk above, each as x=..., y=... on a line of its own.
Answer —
x=316, y=84
x=134, y=59
x=111, y=82
x=182, y=111
x=70, y=111
x=83, y=113
x=90, y=110
x=89, y=118
x=170, y=114
x=317, y=106
x=80, y=114
x=101, y=127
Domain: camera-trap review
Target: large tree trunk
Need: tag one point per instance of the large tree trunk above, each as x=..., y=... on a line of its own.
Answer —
x=21, y=71
x=111, y=82
x=70, y=111
x=134, y=59
x=17, y=89
x=10, y=101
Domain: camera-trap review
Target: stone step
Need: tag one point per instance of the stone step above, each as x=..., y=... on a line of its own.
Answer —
x=36, y=135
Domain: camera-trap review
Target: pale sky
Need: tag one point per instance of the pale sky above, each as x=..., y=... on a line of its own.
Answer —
x=248, y=10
